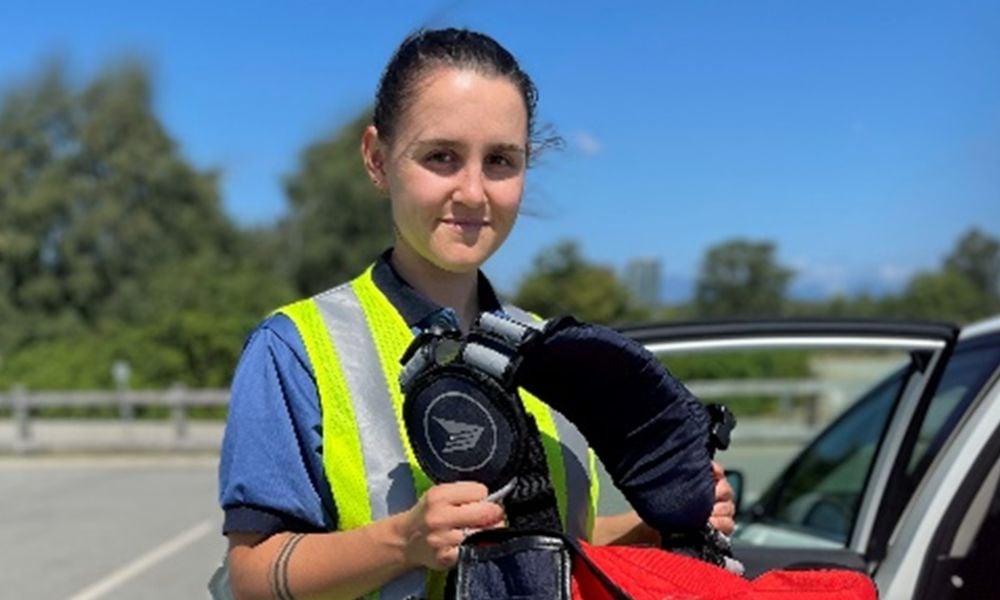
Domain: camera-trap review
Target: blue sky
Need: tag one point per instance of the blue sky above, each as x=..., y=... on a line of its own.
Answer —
x=861, y=137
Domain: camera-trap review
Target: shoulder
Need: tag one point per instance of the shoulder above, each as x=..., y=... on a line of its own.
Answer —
x=285, y=329
x=275, y=340
x=278, y=329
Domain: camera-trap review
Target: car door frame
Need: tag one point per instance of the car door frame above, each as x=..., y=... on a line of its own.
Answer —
x=930, y=344
x=920, y=565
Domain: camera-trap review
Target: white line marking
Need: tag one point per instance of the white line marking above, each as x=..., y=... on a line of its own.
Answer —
x=105, y=462
x=144, y=562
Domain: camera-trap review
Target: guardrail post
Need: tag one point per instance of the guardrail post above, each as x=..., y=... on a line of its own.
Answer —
x=785, y=404
x=22, y=419
x=121, y=371
x=834, y=401
x=178, y=411
x=812, y=410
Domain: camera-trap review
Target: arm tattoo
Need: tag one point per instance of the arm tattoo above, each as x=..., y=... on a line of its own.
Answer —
x=279, y=569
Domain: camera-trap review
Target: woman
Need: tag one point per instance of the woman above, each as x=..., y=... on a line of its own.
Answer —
x=320, y=490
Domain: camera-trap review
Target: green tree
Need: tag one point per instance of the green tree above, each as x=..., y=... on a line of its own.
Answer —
x=562, y=281
x=977, y=256
x=741, y=278
x=339, y=222
x=94, y=194
x=965, y=289
x=945, y=295
x=198, y=314
x=112, y=247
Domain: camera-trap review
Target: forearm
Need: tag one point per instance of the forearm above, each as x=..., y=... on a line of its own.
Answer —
x=343, y=564
x=623, y=529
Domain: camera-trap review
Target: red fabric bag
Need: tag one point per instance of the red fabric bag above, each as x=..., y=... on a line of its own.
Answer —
x=630, y=573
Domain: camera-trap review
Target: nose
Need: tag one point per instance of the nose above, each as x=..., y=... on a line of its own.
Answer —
x=470, y=189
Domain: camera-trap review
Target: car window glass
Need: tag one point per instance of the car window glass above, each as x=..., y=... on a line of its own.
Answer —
x=783, y=396
x=822, y=491
x=967, y=371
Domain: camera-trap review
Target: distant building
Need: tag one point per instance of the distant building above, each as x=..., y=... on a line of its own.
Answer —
x=642, y=278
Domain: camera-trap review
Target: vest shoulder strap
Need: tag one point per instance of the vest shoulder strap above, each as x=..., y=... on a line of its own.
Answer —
x=341, y=437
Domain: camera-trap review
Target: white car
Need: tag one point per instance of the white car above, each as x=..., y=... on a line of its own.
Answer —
x=903, y=484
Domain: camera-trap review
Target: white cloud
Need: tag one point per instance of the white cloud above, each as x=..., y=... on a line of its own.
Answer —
x=823, y=278
x=587, y=143
x=813, y=279
x=894, y=275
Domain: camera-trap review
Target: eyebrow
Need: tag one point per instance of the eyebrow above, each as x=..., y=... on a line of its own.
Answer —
x=517, y=148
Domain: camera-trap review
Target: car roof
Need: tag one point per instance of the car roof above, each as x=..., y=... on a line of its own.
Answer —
x=984, y=327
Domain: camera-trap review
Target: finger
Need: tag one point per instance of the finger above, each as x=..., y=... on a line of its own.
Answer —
x=459, y=492
x=723, y=491
x=446, y=557
x=725, y=525
x=476, y=515
x=449, y=538
x=718, y=471
x=723, y=509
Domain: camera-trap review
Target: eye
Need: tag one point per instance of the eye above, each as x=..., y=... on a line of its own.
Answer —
x=443, y=162
x=499, y=160
x=440, y=156
x=501, y=166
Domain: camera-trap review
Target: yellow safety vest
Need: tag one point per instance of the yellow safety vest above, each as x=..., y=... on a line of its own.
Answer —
x=354, y=338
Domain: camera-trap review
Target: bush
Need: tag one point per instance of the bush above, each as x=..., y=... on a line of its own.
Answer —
x=743, y=365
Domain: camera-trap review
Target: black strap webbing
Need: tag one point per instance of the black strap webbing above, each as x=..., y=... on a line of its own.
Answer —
x=532, y=503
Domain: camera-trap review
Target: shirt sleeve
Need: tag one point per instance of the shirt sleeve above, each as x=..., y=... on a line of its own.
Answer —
x=271, y=475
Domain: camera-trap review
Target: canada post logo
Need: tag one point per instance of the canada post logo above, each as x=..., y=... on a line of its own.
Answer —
x=461, y=436
x=460, y=432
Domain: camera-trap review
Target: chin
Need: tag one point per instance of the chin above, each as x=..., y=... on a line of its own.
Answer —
x=464, y=261
x=459, y=265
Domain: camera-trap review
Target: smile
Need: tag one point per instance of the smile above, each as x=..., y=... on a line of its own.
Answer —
x=465, y=223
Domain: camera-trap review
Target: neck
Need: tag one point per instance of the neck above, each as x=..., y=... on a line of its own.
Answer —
x=459, y=291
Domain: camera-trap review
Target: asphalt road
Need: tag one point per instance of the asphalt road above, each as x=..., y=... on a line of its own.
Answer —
x=108, y=528
x=116, y=528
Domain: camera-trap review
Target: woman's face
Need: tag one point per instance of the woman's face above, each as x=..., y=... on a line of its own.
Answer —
x=455, y=168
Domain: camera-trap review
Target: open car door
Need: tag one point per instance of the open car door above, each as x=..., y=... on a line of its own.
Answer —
x=838, y=499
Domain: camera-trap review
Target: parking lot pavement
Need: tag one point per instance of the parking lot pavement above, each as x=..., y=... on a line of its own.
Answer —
x=123, y=527
x=88, y=528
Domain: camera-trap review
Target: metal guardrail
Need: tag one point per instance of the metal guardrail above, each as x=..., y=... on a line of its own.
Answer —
x=821, y=397
x=177, y=399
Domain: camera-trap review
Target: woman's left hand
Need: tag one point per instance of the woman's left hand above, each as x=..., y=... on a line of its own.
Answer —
x=724, y=509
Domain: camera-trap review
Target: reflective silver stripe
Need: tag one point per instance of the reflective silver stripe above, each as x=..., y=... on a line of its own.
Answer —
x=390, y=480
x=575, y=462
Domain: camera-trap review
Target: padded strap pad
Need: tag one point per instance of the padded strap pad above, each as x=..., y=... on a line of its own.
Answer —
x=648, y=429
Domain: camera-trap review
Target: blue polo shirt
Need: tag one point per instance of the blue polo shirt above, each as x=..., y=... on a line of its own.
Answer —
x=271, y=475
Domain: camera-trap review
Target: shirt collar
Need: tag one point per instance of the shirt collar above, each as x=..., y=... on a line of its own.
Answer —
x=414, y=307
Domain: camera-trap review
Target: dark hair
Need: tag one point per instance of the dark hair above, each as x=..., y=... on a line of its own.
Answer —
x=424, y=50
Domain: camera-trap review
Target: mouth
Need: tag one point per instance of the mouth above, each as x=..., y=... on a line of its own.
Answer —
x=466, y=223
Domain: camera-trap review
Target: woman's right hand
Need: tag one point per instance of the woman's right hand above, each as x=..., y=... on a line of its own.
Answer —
x=442, y=518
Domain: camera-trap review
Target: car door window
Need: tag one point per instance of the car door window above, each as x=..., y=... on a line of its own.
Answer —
x=967, y=371
x=822, y=489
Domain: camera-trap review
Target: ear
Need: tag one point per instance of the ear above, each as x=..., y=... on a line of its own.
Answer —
x=373, y=154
